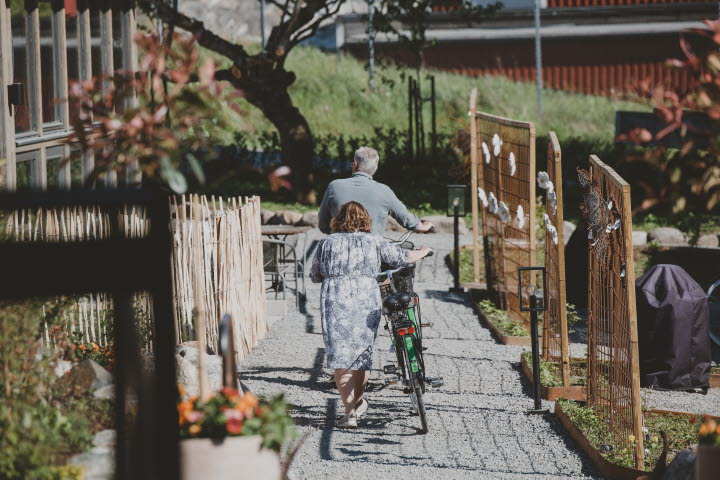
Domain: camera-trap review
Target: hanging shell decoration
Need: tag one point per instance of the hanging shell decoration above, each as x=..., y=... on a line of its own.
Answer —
x=482, y=197
x=492, y=203
x=511, y=160
x=552, y=231
x=503, y=212
x=543, y=180
x=547, y=220
x=497, y=143
x=552, y=199
x=486, y=152
x=520, y=217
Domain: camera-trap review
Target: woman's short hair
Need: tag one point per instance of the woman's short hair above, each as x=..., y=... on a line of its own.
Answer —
x=352, y=217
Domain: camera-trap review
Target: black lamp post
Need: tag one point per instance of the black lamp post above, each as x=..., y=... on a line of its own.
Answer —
x=456, y=208
x=537, y=303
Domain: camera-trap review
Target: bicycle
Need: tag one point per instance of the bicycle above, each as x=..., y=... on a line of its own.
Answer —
x=401, y=308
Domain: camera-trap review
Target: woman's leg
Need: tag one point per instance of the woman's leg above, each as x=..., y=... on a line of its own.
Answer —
x=360, y=380
x=344, y=381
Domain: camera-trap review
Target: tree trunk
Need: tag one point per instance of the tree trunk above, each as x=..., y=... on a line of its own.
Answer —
x=295, y=138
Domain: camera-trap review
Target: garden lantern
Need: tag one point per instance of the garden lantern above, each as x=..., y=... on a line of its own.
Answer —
x=537, y=303
x=455, y=208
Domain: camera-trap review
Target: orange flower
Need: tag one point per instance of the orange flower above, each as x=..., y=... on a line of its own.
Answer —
x=184, y=408
x=234, y=426
x=95, y=346
x=194, y=429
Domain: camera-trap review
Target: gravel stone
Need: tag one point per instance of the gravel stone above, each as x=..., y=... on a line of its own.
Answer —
x=668, y=236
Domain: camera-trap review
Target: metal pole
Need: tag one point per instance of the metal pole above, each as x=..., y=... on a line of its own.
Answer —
x=433, y=114
x=410, y=137
x=371, y=46
x=262, y=23
x=456, y=237
x=538, y=59
x=535, y=351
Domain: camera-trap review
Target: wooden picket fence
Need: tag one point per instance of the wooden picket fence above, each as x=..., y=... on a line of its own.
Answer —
x=217, y=265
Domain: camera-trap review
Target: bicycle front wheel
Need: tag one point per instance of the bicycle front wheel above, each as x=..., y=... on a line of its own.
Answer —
x=420, y=406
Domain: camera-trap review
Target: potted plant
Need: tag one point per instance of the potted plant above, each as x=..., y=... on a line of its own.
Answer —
x=707, y=461
x=231, y=433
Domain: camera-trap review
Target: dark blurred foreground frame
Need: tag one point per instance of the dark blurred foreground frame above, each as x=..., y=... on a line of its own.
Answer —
x=147, y=448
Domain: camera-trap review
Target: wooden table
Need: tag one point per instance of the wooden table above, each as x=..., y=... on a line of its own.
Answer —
x=283, y=230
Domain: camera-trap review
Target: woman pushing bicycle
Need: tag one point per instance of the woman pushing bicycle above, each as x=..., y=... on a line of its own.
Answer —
x=347, y=263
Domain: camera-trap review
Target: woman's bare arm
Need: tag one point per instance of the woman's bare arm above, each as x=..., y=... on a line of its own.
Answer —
x=415, y=255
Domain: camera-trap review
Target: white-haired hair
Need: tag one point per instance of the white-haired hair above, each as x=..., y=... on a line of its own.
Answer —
x=367, y=160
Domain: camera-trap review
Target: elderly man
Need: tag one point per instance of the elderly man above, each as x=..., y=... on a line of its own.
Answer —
x=378, y=199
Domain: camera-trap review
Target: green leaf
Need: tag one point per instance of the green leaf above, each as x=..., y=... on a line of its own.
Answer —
x=196, y=167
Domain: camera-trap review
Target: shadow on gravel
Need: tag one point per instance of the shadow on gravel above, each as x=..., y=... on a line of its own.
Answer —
x=447, y=297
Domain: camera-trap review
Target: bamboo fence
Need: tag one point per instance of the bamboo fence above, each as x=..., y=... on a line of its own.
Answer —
x=217, y=265
x=613, y=371
x=555, y=331
x=503, y=175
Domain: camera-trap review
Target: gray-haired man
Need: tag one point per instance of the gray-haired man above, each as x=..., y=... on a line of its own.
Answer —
x=378, y=199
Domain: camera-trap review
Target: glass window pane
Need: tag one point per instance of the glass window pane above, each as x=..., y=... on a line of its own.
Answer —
x=47, y=81
x=22, y=113
x=54, y=157
x=25, y=167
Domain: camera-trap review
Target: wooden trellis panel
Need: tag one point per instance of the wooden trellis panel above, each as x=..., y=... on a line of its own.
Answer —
x=613, y=371
x=507, y=244
x=555, y=331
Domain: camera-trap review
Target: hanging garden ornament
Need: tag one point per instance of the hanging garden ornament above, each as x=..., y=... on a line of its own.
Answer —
x=497, y=143
x=552, y=197
x=546, y=219
x=511, y=159
x=613, y=226
x=483, y=197
x=609, y=205
x=543, y=180
x=520, y=216
x=486, y=152
x=622, y=274
x=503, y=212
x=492, y=203
x=552, y=231
x=550, y=186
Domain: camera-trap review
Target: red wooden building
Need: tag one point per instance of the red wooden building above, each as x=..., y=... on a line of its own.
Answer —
x=597, y=47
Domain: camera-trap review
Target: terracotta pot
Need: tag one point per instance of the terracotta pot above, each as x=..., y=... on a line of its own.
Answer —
x=207, y=459
x=707, y=463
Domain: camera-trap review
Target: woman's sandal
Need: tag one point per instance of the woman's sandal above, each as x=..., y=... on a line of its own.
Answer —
x=347, y=421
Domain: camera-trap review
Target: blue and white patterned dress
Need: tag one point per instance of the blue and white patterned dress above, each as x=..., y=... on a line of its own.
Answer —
x=347, y=264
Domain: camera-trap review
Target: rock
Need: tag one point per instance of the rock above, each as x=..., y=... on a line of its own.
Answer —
x=710, y=240
x=266, y=215
x=309, y=219
x=88, y=375
x=105, y=393
x=61, y=367
x=639, y=238
x=285, y=217
x=668, y=236
x=568, y=229
x=105, y=438
x=187, y=359
x=444, y=224
x=99, y=463
x=681, y=467
x=193, y=344
x=393, y=225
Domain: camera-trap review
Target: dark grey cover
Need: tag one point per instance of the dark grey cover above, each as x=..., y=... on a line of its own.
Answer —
x=673, y=330
x=576, y=267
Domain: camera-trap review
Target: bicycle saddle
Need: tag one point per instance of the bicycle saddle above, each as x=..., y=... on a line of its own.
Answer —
x=397, y=301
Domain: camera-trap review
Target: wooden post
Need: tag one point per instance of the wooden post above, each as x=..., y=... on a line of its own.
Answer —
x=555, y=163
x=200, y=330
x=474, y=185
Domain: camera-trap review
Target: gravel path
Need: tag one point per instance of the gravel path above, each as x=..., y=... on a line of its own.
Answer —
x=477, y=420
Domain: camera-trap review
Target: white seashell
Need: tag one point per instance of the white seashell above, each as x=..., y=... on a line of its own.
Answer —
x=511, y=159
x=497, y=143
x=492, y=203
x=546, y=219
x=486, y=152
x=617, y=224
x=622, y=274
x=483, y=197
x=520, y=217
x=552, y=197
x=553, y=234
x=609, y=205
x=550, y=187
x=543, y=179
x=503, y=212
x=590, y=236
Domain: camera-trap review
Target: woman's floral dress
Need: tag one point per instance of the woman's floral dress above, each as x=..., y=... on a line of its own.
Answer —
x=347, y=264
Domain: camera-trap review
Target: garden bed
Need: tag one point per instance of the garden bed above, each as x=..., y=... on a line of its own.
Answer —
x=503, y=329
x=553, y=393
x=590, y=433
x=715, y=378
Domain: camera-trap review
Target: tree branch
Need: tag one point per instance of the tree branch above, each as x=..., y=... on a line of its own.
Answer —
x=205, y=37
x=304, y=33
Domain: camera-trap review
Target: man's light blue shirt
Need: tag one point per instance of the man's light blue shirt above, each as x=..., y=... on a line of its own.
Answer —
x=378, y=199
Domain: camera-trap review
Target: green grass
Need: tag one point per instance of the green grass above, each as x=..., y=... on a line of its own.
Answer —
x=331, y=91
